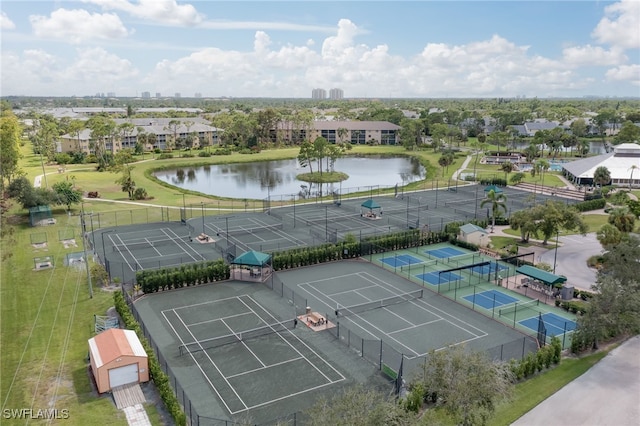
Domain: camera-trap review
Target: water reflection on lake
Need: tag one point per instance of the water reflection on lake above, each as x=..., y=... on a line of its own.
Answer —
x=258, y=179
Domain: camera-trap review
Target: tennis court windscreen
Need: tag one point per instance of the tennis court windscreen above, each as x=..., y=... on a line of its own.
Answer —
x=363, y=307
x=228, y=339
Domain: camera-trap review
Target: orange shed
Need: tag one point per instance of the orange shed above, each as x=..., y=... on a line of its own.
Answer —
x=117, y=358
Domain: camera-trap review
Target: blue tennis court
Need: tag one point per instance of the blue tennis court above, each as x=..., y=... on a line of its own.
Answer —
x=490, y=299
x=489, y=269
x=443, y=253
x=555, y=324
x=400, y=260
x=435, y=278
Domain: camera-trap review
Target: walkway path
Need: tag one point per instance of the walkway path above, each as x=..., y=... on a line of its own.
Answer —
x=462, y=167
x=608, y=394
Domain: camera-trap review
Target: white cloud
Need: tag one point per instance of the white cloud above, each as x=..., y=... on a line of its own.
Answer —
x=592, y=55
x=159, y=11
x=78, y=26
x=621, y=25
x=630, y=73
x=5, y=22
x=36, y=72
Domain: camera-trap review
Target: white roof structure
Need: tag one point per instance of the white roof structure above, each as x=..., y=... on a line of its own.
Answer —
x=620, y=164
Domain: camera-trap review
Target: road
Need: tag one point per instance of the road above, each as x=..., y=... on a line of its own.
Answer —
x=571, y=259
x=608, y=394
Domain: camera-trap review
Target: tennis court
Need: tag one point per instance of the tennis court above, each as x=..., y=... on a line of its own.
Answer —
x=444, y=252
x=555, y=324
x=379, y=306
x=490, y=299
x=244, y=352
x=258, y=232
x=140, y=249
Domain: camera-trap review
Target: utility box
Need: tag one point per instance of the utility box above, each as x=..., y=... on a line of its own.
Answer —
x=567, y=293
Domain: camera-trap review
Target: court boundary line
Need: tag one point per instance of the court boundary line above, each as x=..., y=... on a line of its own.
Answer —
x=226, y=378
x=419, y=303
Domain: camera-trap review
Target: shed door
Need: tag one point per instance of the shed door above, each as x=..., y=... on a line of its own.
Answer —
x=123, y=375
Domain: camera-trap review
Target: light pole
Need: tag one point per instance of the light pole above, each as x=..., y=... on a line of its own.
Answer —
x=202, y=205
x=184, y=204
x=555, y=254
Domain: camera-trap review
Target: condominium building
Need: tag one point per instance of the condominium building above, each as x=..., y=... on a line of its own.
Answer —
x=318, y=94
x=336, y=93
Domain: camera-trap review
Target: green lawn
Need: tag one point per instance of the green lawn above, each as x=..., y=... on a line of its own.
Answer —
x=47, y=318
x=532, y=392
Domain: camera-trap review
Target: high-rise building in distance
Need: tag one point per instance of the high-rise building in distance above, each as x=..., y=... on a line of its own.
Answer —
x=336, y=93
x=146, y=95
x=318, y=94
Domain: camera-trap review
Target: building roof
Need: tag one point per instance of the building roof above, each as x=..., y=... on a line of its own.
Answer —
x=541, y=275
x=252, y=258
x=619, y=162
x=113, y=344
x=470, y=228
x=355, y=125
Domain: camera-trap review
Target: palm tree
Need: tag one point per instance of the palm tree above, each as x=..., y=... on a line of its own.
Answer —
x=507, y=167
x=498, y=202
x=601, y=176
x=632, y=168
x=622, y=219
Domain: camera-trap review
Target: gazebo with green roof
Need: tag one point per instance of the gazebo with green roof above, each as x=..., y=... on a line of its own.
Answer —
x=251, y=266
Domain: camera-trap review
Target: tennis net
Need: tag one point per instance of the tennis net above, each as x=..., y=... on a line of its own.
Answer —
x=518, y=307
x=464, y=259
x=420, y=265
x=215, y=342
x=122, y=248
x=241, y=230
x=363, y=307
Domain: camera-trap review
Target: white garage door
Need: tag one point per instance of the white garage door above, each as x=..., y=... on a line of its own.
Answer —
x=123, y=375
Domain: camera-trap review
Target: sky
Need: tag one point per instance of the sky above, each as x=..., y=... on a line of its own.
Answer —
x=285, y=49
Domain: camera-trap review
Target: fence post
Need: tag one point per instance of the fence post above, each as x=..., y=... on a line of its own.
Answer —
x=380, y=364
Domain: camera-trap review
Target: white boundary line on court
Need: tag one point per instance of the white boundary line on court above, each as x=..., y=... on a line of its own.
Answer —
x=416, y=302
x=265, y=367
x=194, y=359
x=281, y=232
x=128, y=251
x=164, y=230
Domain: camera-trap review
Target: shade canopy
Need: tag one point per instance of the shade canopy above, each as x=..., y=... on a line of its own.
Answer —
x=541, y=275
x=252, y=258
x=370, y=204
x=493, y=188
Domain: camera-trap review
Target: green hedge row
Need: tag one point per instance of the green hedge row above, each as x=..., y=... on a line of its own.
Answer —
x=347, y=249
x=574, y=307
x=535, y=362
x=589, y=205
x=186, y=275
x=158, y=376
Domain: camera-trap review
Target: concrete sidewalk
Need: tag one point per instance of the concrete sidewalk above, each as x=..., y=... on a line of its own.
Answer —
x=608, y=394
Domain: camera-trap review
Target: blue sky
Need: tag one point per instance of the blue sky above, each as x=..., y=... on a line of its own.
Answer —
x=285, y=49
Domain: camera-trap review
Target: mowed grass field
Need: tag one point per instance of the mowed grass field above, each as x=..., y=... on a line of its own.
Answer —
x=47, y=318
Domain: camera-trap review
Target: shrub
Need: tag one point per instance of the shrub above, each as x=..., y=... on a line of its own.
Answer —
x=588, y=205
x=222, y=151
x=158, y=376
x=204, y=154
x=140, y=194
x=165, y=156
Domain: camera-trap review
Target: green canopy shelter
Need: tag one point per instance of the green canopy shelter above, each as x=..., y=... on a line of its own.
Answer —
x=371, y=205
x=493, y=188
x=251, y=266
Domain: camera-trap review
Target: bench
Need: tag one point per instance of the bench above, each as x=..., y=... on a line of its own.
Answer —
x=315, y=320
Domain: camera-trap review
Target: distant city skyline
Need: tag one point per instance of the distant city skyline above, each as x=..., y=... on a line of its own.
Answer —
x=368, y=49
